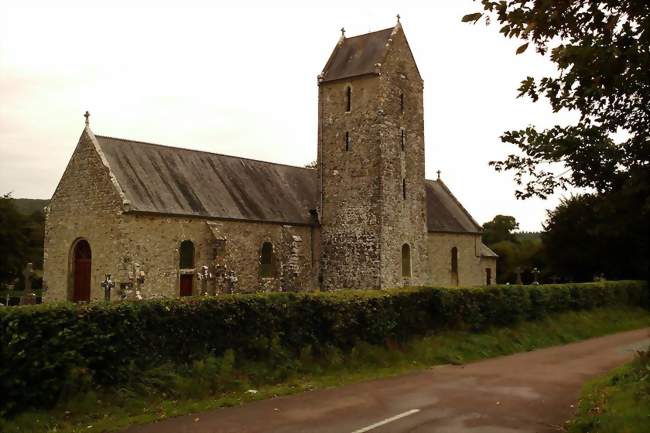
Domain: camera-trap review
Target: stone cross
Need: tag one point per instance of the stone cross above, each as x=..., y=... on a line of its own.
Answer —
x=28, y=295
x=107, y=285
x=139, y=280
x=535, y=273
x=204, y=275
x=28, y=273
x=342, y=31
x=438, y=173
x=398, y=17
x=87, y=115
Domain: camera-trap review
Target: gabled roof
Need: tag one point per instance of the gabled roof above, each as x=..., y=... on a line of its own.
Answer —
x=357, y=55
x=169, y=180
x=444, y=211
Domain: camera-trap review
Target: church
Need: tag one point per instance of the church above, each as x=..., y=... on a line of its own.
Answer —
x=167, y=222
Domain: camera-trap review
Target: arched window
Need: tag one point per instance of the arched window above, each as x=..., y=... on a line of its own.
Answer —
x=401, y=102
x=402, y=139
x=406, y=260
x=454, y=266
x=81, y=270
x=347, y=141
x=488, y=276
x=186, y=262
x=404, y=189
x=267, y=261
x=348, y=99
x=454, y=260
x=186, y=255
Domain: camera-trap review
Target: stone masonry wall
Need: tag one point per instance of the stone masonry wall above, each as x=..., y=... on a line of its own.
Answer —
x=403, y=217
x=471, y=267
x=350, y=215
x=87, y=206
x=154, y=242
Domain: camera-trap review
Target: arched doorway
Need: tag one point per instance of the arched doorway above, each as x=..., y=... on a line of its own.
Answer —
x=81, y=268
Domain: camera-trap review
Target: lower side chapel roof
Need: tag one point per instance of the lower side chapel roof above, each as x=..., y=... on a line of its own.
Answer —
x=174, y=181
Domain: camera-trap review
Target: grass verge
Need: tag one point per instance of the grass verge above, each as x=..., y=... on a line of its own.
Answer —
x=167, y=391
x=618, y=402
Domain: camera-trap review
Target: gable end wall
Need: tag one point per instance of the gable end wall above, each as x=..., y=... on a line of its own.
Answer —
x=85, y=205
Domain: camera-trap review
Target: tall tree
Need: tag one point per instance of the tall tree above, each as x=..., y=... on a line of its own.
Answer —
x=500, y=229
x=591, y=234
x=602, y=52
x=14, y=240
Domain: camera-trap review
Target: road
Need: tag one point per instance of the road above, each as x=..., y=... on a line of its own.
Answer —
x=533, y=392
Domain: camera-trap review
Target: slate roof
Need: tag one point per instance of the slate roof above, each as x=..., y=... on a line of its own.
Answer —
x=170, y=180
x=444, y=211
x=357, y=55
x=487, y=252
x=175, y=181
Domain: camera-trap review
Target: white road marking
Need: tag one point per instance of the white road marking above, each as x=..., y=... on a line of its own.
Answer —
x=386, y=421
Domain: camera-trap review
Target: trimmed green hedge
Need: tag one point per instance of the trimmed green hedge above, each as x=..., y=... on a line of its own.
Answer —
x=48, y=349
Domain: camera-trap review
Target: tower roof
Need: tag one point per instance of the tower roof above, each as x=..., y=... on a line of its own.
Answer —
x=358, y=55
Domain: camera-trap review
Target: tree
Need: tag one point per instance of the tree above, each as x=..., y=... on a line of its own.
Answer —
x=591, y=234
x=602, y=52
x=499, y=229
x=14, y=240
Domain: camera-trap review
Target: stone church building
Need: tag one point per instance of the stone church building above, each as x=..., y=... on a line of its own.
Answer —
x=176, y=222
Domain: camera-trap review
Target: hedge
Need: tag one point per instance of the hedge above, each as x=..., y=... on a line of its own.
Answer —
x=48, y=348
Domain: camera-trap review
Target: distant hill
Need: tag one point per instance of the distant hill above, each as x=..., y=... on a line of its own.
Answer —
x=28, y=206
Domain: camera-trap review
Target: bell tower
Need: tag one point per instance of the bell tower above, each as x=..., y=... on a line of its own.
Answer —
x=371, y=164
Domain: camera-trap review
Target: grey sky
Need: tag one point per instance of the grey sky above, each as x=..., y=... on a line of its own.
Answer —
x=242, y=81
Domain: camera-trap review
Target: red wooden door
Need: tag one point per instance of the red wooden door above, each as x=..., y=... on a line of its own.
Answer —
x=82, y=269
x=186, y=284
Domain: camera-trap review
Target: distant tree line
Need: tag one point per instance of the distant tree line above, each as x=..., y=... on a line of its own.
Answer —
x=586, y=237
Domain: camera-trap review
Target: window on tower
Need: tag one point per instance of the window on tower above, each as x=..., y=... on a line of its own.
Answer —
x=347, y=141
x=401, y=102
x=348, y=99
x=404, y=189
x=406, y=260
x=402, y=138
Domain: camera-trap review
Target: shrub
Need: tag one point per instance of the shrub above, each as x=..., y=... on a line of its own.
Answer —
x=50, y=350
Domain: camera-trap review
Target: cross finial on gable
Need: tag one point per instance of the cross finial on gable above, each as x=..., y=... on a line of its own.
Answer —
x=87, y=115
x=343, y=32
x=398, y=17
x=438, y=172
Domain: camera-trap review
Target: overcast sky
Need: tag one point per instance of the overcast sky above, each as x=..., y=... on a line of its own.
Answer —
x=242, y=81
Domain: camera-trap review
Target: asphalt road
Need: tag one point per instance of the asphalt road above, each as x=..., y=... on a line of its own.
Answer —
x=532, y=392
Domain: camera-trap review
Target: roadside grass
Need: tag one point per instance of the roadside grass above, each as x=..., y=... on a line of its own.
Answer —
x=167, y=391
x=618, y=402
